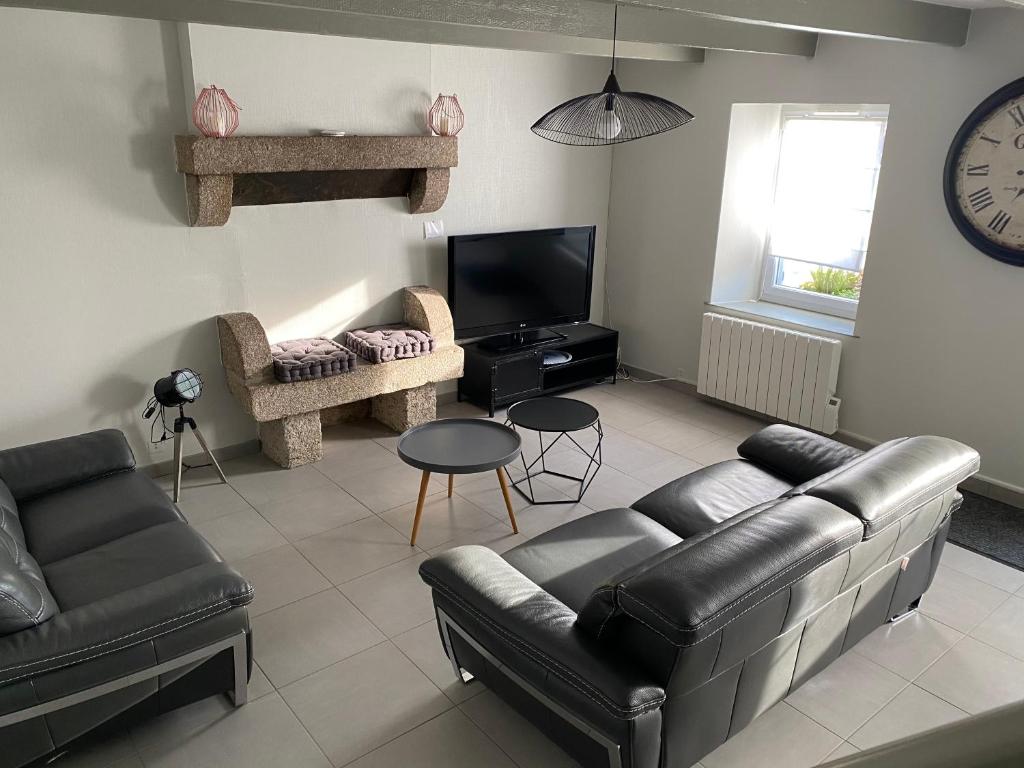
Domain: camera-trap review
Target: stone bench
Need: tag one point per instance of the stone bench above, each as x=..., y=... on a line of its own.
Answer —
x=399, y=394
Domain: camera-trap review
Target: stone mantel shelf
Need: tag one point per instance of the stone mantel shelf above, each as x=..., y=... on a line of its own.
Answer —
x=264, y=170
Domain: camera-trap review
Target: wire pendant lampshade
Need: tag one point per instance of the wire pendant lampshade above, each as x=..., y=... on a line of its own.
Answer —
x=612, y=116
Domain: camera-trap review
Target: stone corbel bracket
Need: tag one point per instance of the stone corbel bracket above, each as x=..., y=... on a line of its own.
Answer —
x=264, y=170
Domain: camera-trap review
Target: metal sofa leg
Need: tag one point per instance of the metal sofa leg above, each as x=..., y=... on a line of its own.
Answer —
x=448, y=626
x=240, y=656
x=911, y=610
x=446, y=633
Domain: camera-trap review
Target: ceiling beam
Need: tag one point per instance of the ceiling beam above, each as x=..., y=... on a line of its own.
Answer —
x=907, y=20
x=575, y=26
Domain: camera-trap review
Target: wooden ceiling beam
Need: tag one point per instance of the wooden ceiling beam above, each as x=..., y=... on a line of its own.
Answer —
x=574, y=26
x=906, y=20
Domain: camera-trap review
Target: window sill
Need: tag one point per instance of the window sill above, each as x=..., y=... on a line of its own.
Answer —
x=762, y=310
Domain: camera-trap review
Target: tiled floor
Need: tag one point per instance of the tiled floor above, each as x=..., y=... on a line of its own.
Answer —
x=350, y=669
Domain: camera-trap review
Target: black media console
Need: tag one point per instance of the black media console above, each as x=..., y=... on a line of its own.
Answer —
x=495, y=378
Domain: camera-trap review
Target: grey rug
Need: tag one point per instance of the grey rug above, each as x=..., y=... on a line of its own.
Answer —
x=990, y=528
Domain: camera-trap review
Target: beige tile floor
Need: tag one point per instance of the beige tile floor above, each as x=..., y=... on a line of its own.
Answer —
x=350, y=671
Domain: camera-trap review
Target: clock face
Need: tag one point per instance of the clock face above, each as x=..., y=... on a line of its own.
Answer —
x=985, y=176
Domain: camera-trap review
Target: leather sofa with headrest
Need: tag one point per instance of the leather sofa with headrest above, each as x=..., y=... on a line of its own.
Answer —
x=112, y=608
x=648, y=636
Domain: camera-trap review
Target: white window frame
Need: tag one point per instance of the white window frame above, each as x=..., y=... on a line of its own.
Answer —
x=771, y=290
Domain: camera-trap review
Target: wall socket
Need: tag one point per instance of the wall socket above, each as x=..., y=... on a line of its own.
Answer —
x=433, y=229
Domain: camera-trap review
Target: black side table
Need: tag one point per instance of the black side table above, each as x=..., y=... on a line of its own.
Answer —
x=561, y=415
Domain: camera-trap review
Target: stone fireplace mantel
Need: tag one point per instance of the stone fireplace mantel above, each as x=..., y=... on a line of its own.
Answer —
x=266, y=170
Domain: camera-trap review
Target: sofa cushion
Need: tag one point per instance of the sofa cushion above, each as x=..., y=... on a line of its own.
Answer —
x=892, y=480
x=85, y=516
x=389, y=342
x=794, y=453
x=41, y=468
x=702, y=499
x=25, y=600
x=705, y=582
x=571, y=560
x=126, y=563
x=316, y=358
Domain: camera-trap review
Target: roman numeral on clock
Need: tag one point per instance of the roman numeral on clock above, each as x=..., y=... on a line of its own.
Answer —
x=1017, y=113
x=990, y=140
x=977, y=170
x=981, y=199
x=999, y=222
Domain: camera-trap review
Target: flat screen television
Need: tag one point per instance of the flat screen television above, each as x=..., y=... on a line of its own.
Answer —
x=510, y=282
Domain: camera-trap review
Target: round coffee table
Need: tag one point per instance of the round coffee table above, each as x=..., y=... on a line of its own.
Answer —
x=459, y=447
x=562, y=415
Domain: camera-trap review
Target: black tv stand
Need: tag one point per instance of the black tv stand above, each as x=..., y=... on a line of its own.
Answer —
x=495, y=378
x=521, y=340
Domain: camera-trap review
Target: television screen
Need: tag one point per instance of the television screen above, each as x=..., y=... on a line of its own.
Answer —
x=512, y=281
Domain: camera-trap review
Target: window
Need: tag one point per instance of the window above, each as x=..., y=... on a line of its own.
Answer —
x=826, y=177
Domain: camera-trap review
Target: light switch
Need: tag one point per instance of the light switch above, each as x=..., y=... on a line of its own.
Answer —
x=433, y=229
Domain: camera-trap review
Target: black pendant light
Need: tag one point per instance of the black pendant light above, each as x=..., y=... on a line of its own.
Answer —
x=611, y=116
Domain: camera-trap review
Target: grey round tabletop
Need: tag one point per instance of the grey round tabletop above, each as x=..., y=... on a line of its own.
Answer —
x=459, y=446
x=553, y=414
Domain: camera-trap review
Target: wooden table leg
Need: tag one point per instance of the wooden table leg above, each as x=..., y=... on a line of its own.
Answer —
x=424, y=482
x=451, y=483
x=508, y=501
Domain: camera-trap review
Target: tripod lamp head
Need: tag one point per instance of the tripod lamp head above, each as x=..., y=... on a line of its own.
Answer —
x=175, y=390
x=180, y=387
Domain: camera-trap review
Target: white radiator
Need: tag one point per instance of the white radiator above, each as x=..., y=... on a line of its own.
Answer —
x=785, y=374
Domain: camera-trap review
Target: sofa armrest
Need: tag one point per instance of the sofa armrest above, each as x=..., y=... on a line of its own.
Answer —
x=41, y=468
x=426, y=309
x=129, y=618
x=795, y=454
x=244, y=349
x=534, y=635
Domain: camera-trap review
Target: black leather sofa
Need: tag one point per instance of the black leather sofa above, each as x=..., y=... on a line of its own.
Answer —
x=648, y=636
x=112, y=608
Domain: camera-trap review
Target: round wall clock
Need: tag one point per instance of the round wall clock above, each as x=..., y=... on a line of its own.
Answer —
x=984, y=176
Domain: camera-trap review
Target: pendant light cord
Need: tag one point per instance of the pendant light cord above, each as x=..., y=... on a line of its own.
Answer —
x=615, y=34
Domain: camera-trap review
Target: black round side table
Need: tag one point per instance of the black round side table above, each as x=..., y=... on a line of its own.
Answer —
x=564, y=416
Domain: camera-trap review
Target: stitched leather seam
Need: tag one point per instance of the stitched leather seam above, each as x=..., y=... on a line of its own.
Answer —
x=553, y=666
x=14, y=539
x=118, y=639
x=734, y=618
x=768, y=597
x=749, y=593
x=98, y=655
x=916, y=501
x=77, y=483
x=611, y=611
x=18, y=605
x=17, y=564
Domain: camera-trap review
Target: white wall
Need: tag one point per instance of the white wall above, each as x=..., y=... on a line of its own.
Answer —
x=103, y=287
x=748, y=190
x=939, y=348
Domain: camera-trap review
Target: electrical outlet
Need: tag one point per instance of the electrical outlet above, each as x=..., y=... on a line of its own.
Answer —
x=433, y=229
